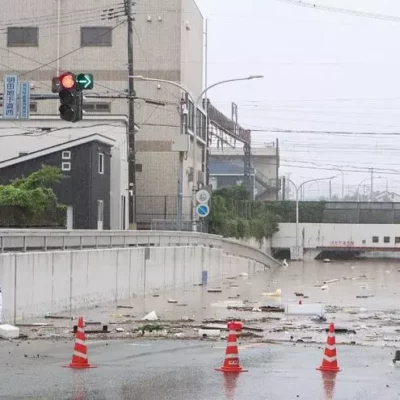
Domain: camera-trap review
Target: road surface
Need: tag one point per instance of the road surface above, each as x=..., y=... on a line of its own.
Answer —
x=176, y=370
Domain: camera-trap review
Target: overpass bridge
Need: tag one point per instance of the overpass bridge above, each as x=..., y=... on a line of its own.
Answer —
x=316, y=238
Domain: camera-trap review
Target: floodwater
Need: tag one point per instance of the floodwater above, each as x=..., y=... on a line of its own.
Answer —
x=182, y=370
x=375, y=318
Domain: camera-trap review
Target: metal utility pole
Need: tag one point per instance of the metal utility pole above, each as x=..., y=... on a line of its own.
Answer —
x=131, y=121
x=372, y=185
x=183, y=113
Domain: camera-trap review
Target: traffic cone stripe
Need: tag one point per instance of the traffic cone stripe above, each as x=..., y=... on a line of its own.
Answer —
x=330, y=359
x=79, y=354
x=331, y=335
x=330, y=347
x=80, y=341
x=231, y=355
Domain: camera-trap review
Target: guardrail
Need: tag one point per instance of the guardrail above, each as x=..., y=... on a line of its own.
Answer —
x=17, y=240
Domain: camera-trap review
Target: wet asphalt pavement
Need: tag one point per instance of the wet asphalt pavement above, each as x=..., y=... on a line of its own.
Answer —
x=184, y=370
x=176, y=370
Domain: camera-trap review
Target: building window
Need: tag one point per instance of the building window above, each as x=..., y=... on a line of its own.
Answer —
x=97, y=107
x=203, y=126
x=386, y=239
x=101, y=163
x=191, y=116
x=23, y=37
x=138, y=167
x=364, y=241
x=66, y=155
x=397, y=239
x=375, y=239
x=33, y=107
x=66, y=166
x=96, y=36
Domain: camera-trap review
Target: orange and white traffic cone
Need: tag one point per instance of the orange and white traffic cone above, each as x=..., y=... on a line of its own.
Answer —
x=79, y=357
x=329, y=362
x=232, y=363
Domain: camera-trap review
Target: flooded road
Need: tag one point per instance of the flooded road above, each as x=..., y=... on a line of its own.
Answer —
x=282, y=359
x=185, y=370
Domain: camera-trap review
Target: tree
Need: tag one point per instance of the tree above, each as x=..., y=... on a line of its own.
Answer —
x=34, y=193
x=234, y=214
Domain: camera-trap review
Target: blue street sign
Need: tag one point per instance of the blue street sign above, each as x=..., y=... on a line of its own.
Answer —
x=24, y=100
x=203, y=210
x=10, y=95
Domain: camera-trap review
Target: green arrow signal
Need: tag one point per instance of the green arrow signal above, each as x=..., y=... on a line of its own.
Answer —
x=85, y=81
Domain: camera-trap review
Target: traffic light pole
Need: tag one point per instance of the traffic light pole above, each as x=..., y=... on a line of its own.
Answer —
x=131, y=121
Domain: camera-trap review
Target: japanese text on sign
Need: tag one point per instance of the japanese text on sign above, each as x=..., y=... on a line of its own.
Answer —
x=342, y=243
x=10, y=94
x=24, y=109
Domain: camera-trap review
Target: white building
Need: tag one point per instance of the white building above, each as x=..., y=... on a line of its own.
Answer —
x=46, y=37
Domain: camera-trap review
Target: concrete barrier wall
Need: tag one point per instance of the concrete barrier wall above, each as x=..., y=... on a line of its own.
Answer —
x=36, y=283
x=52, y=239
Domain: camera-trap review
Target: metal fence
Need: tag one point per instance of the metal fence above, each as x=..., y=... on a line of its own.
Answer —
x=162, y=213
x=176, y=225
x=362, y=213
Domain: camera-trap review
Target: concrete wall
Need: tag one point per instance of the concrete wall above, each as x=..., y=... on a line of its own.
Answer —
x=337, y=235
x=264, y=246
x=34, y=284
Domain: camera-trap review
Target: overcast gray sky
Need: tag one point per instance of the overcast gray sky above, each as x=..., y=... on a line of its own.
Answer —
x=324, y=71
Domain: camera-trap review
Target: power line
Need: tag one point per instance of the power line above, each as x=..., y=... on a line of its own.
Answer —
x=356, y=13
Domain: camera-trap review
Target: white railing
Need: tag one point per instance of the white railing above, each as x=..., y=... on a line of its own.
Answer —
x=21, y=240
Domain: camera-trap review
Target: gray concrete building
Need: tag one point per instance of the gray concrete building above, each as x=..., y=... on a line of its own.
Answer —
x=227, y=169
x=44, y=38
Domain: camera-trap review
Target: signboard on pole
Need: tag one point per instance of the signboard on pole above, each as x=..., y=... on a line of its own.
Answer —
x=10, y=95
x=203, y=196
x=24, y=100
x=203, y=210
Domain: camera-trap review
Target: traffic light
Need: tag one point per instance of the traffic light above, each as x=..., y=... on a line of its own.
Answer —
x=71, y=98
x=69, y=87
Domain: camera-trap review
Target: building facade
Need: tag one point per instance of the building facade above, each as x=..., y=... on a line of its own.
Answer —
x=30, y=137
x=42, y=40
x=227, y=169
x=85, y=186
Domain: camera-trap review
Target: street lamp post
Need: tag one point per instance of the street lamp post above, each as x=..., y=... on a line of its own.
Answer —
x=196, y=104
x=298, y=188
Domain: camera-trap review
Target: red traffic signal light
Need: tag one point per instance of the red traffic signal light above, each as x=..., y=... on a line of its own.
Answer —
x=67, y=80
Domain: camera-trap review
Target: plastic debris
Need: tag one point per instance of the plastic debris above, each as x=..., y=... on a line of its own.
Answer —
x=214, y=290
x=152, y=316
x=9, y=331
x=277, y=293
x=331, y=281
x=284, y=263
